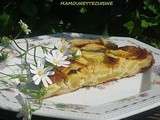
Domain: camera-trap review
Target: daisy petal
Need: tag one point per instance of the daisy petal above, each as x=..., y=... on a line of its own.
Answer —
x=48, y=69
x=59, y=65
x=50, y=73
x=33, y=67
x=48, y=80
x=44, y=82
x=54, y=52
x=57, y=58
x=37, y=81
x=64, y=57
x=65, y=65
x=66, y=62
x=35, y=77
x=48, y=60
x=32, y=71
x=49, y=56
x=40, y=64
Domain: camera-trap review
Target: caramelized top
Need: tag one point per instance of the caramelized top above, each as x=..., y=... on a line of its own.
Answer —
x=111, y=61
x=138, y=52
x=58, y=76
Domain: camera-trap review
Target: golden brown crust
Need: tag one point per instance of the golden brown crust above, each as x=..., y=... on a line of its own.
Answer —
x=138, y=52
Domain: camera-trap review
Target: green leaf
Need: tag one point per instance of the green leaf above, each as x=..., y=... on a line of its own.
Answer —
x=130, y=26
x=146, y=24
x=5, y=41
x=3, y=56
x=153, y=7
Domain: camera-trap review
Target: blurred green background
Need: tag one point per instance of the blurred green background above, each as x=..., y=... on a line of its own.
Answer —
x=135, y=18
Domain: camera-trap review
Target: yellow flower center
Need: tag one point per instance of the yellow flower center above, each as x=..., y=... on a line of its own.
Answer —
x=40, y=72
x=56, y=62
x=62, y=49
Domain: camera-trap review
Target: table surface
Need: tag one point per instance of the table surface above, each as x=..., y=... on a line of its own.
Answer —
x=153, y=114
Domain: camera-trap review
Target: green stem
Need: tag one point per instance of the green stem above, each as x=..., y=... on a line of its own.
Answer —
x=31, y=49
x=27, y=47
x=11, y=75
x=14, y=40
x=5, y=74
x=25, y=58
x=18, y=46
x=3, y=77
x=17, y=36
x=2, y=49
x=27, y=44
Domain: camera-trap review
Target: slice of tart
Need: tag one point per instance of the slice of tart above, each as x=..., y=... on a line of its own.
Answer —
x=100, y=61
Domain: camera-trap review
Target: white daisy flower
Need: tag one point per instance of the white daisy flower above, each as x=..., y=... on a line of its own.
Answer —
x=24, y=27
x=41, y=74
x=62, y=45
x=57, y=58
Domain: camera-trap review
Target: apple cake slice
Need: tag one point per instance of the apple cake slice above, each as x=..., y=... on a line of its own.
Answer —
x=100, y=61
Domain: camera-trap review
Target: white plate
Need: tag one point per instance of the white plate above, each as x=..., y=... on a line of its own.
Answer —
x=113, y=100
